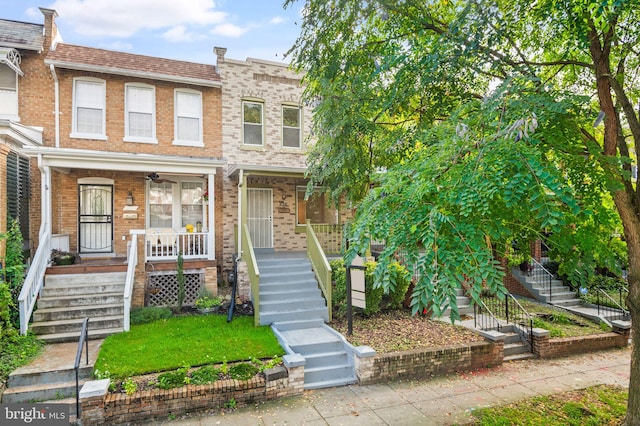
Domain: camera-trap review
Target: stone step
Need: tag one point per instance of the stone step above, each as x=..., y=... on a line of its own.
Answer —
x=66, y=280
x=288, y=277
x=325, y=359
x=321, y=377
x=74, y=312
x=275, y=267
x=301, y=293
x=515, y=348
x=298, y=325
x=285, y=304
x=519, y=357
x=288, y=287
x=40, y=392
x=82, y=300
x=512, y=338
x=294, y=314
x=79, y=290
x=75, y=325
x=566, y=302
x=17, y=379
x=73, y=336
x=331, y=383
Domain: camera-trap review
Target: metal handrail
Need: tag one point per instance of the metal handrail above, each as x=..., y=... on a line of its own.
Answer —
x=619, y=312
x=82, y=341
x=547, y=277
x=515, y=315
x=34, y=281
x=249, y=257
x=528, y=318
x=477, y=310
x=130, y=280
x=320, y=265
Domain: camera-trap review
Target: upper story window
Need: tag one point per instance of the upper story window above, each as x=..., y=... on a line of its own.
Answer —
x=252, y=120
x=188, y=118
x=140, y=113
x=89, y=99
x=8, y=92
x=291, y=135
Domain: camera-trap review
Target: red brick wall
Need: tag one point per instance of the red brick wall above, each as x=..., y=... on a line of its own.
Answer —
x=545, y=347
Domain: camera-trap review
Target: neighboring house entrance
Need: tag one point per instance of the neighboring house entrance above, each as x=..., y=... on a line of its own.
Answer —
x=260, y=217
x=95, y=207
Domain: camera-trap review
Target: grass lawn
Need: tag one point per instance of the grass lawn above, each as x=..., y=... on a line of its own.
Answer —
x=184, y=341
x=560, y=323
x=595, y=406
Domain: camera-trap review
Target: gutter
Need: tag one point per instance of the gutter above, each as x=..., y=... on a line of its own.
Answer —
x=56, y=112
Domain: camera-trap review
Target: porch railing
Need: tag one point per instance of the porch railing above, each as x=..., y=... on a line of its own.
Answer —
x=129, y=280
x=610, y=308
x=249, y=257
x=542, y=276
x=320, y=265
x=165, y=245
x=34, y=281
x=508, y=310
x=330, y=237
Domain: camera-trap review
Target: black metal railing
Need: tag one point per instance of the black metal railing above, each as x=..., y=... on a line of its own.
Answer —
x=541, y=276
x=484, y=318
x=83, y=341
x=508, y=311
x=610, y=308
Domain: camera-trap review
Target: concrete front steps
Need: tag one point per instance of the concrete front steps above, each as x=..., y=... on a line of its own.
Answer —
x=328, y=356
x=463, y=302
x=289, y=290
x=67, y=299
x=538, y=286
x=515, y=348
x=50, y=377
x=291, y=301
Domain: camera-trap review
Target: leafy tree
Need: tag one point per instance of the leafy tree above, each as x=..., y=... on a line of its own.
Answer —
x=456, y=127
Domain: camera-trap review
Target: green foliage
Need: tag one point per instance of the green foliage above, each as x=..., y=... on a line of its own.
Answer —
x=130, y=387
x=14, y=269
x=243, y=371
x=180, y=278
x=231, y=404
x=6, y=306
x=375, y=296
x=205, y=375
x=149, y=314
x=173, y=379
x=206, y=299
x=17, y=350
x=160, y=345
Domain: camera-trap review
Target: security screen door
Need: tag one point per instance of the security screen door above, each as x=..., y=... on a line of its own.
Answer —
x=260, y=217
x=95, y=230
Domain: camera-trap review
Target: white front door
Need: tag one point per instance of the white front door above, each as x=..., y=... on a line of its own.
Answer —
x=260, y=217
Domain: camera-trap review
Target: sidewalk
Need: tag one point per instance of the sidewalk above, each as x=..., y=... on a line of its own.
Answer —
x=440, y=401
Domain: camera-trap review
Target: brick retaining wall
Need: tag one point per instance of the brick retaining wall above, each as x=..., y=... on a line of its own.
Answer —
x=544, y=347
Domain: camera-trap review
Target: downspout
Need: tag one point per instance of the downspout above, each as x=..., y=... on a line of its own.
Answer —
x=240, y=179
x=56, y=113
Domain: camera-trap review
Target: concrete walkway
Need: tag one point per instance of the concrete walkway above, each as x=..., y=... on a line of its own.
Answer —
x=441, y=401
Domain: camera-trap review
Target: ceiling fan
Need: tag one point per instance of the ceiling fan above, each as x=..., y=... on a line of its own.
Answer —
x=155, y=178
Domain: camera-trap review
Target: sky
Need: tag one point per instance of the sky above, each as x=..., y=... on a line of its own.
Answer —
x=175, y=29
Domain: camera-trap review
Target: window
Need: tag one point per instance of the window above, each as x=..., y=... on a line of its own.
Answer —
x=89, y=109
x=252, y=123
x=19, y=192
x=140, y=117
x=290, y=127
x=160, y=205
x=316, y=208
x=174, y=205
x=8, y=92
x=191, y=201
x=188, y=118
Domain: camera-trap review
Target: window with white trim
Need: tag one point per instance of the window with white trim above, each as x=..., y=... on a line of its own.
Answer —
x=252, y=120
x=140, y=113
x=160, y=205
x=188, y=118
x=89, y=108
x=315, y=208
x=176, y=204
x=8, y=92
x=291, y=126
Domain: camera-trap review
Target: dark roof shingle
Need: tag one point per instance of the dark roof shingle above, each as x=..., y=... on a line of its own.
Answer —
x=21, y=35
x=88, y=58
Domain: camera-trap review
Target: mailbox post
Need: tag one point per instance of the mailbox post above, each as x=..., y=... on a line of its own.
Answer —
x=355, y=290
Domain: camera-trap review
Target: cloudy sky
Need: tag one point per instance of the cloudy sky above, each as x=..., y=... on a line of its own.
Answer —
x=176, y=29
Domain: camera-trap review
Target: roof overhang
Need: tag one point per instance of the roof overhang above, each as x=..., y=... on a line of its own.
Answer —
x=19, y=135
x=120, y=161
x=257, y=170
x=132, y=73
x=11, y=58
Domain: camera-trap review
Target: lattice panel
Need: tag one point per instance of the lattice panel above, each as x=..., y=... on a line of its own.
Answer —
x=162, y=287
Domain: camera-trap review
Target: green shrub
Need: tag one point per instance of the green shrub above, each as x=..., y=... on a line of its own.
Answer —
x=205, y=375
x=606, y=283
x=374, y=297
x=148, y=314
x=14, y=268
x=243, y=371
x=17, y=350
x=173, y=379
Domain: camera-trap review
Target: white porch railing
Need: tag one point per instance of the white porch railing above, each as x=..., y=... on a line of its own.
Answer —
x=130, y=280
x=165, y=245
x=34, y=281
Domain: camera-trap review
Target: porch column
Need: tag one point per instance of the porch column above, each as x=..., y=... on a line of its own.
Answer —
x=242, y=209
x=211, y=241
x=45, y=200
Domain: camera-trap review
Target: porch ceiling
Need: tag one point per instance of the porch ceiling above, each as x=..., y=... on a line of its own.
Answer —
x=234, y=169
x=106, y=160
